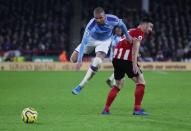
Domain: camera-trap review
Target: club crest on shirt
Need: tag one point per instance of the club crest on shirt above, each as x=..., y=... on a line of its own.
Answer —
x=140, y=37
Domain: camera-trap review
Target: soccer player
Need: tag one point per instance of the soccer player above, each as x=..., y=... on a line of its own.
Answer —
x=125, y=62
x=117, y=35
x=97, y=36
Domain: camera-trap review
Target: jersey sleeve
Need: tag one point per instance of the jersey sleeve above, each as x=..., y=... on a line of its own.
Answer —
x=115, y=21
x=85, y=39
x=124, y=29
x=137, y=34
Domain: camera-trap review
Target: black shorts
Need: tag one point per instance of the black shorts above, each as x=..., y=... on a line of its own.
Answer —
x=122, y=67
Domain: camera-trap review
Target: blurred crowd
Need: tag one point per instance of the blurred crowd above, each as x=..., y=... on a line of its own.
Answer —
x=171, y=38
x=35, y=27
x=41, y=27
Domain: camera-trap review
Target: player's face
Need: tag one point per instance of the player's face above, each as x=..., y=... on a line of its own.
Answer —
x=118, y=31
x=100, y=18
x=148, y=28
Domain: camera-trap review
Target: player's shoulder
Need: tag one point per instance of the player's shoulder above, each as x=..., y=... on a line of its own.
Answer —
x=111, y=18
x=136, y=32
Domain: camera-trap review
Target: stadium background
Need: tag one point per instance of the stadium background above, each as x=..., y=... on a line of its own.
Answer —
x=44, y=29
x=37, y=32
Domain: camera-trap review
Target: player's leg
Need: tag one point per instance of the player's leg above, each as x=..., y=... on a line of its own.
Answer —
x=139, y=80
x=111, y=81
x=119, y=75
x=139, y=94
x=101, y=49
x=94, y=66
x=139, y=91
x=88, y=49
x=112, y=95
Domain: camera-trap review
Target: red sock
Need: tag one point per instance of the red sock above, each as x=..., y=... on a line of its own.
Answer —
x=139, y=93
x=111, y=96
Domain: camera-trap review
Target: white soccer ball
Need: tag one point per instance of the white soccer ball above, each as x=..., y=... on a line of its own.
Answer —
x=29, y=115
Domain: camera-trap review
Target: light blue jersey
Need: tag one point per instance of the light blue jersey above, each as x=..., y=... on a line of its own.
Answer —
x=101, y=32
x=115, y=40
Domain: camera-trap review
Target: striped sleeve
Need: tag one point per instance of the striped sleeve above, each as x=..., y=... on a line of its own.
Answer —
x=85, y=39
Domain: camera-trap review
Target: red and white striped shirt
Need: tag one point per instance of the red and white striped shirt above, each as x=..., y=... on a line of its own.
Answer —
x=123, y=50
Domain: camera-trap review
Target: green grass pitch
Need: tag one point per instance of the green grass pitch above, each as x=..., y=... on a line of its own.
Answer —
x=167, y=98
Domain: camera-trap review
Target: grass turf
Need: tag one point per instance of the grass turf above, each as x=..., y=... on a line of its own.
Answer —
x=167, y=98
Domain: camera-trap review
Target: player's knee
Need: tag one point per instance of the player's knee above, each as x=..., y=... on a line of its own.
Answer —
x=119, y=86
x=141, y=82
x=119, y=83
x=96, y=63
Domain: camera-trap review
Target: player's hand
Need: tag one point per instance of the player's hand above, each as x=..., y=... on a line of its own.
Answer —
x=78, y=66
x=135, y=68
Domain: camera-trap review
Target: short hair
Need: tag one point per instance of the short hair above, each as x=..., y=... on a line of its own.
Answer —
x=98, y=10
x=146, y=20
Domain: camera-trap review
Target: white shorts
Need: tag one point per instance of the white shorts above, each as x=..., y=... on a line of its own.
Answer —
x=96, y=45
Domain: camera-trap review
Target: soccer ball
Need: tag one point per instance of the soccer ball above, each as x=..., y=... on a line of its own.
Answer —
x=29, y=115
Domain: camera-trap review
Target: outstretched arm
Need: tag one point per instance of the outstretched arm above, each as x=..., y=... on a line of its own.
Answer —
x=83, y=43
x=85, y=39
x=124, y=29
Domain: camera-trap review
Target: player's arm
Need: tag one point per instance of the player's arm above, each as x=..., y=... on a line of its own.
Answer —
x=84, y=41
x=121, y=24
x=135, y=51
x=81, y=51
x=124, y=29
